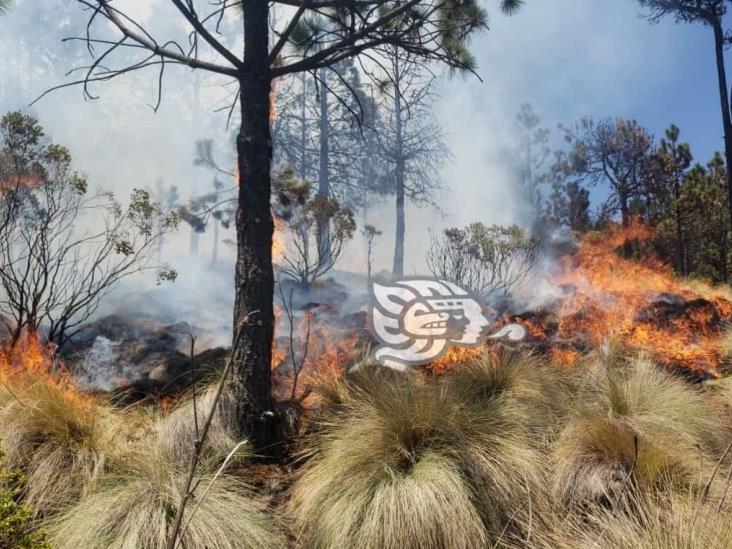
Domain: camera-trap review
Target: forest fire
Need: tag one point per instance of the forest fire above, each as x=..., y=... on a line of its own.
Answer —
x=31, y=362
x=28, y=354
x=614, y=291
x=637, y=302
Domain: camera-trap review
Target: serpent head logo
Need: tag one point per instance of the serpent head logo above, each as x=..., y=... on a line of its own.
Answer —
x=416, y=320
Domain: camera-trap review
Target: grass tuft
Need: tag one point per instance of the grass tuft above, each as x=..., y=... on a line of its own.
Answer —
x=135, y=509
x=632, y=425
x=61, y=439
x=400, y=461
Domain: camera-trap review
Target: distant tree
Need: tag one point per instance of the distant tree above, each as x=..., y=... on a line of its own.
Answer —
x=216, y=207
x=491, y=261
x=411, y=139
x=5, y=6
x=709, y=13
x=703, y=200
x=532, y=153
x=56, y=266
x=323, y=132
x=613, y=152
x=665, y=171
x=305, y=214
x=370, y=233
x=168, y=199
x=568, y=206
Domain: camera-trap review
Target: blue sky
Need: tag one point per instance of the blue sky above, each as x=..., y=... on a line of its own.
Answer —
x=569, y=59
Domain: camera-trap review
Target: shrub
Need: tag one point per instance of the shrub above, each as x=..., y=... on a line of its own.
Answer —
x=16, y=526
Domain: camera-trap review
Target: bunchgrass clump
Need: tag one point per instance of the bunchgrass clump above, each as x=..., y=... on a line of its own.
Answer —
x=632, y=425
x=135, y=509
x=61, y=439
x=659, y=520
x=400, y=461
x=178, y=430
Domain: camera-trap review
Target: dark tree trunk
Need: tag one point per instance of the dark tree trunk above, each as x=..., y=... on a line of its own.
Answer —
x=253, y=312
x=215, y=245
x=323, y=234
x=680, y=253
x=398, y=267
x=725, y=105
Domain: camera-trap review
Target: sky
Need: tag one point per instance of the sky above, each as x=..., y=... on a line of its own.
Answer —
x=568, y=58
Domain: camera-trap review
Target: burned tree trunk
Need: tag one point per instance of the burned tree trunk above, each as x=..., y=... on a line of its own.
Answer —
x=251, y=383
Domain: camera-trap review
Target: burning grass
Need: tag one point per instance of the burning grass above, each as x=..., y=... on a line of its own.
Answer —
x=679, y=323
x=61, y=438
x=505, y=450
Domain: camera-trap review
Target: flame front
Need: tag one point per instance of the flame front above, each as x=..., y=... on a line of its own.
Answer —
x=610, y=297
x=30, y=361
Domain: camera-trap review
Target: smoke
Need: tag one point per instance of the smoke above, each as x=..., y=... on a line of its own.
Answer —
x=567, y=58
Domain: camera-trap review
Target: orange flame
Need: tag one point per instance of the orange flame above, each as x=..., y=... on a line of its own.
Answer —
x=30, y=361
x=278, y=240
x=630, y=299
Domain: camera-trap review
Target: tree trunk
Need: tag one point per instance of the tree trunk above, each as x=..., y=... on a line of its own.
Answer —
x=195, y=184
x=323, y=174
x=303, y=128
x=253, y=311
x=215, y=246
x=398, y=267
x=680, y=253
x=725, y=105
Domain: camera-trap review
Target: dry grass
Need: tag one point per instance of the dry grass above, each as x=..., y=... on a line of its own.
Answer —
x=177, y=430
x=135, y=509
x=401, y=462
x=660, y=520
x=61, y=439
x=632, y=424
x=505, y=451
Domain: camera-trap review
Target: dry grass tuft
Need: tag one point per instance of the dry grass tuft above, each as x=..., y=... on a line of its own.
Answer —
x=400, y=461
x=61, y=439
x=135, y=509
x=659, y=520
x=632, y=425
x=177, y=430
